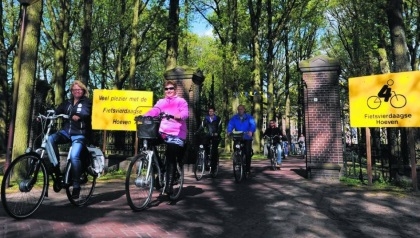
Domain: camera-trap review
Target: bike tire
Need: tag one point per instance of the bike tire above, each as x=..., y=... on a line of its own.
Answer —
x=139, y=183
x=87, y=186
x=273, y=159
x=20, y=198
x=199, y=167
x=238, y=167
x=178, y=182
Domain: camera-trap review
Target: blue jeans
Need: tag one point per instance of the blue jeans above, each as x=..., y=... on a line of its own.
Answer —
x=278, y=153
x=286, y=151
x=78, y=143
x=293, y=148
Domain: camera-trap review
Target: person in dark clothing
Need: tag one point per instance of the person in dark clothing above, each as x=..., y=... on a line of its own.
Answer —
x=212, y=126
x=274, y=131
x=76, y=129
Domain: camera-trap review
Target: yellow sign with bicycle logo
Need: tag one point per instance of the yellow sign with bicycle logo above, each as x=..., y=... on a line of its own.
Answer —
x=385, y=100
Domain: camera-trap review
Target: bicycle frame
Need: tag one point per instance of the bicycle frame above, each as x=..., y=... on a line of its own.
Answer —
x=153, y=159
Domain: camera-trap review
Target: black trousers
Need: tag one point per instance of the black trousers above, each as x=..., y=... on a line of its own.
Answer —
x=174, y=153
x=248, y=154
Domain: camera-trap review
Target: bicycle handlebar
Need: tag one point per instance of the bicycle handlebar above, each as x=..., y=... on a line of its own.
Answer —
x=160, y=116
x=266, y=136
x=166, y=115
x=53, y=116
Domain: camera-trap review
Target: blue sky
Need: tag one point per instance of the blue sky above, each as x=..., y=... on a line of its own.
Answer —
x=201, y=28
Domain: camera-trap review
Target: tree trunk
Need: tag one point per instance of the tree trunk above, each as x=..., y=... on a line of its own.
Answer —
x=4, y=96
x=401, y=63
x=86, y=41
x=255, y=14
x=59, y=38
x=28, y=59
x=133, y=45
x=173, y=31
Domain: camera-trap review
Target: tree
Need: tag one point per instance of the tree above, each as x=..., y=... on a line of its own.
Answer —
x=25, y=78
x=173, y=34
x=255, y=9
x=86, y=40
x=57, y=31
x=401, y=61
x=8, y=41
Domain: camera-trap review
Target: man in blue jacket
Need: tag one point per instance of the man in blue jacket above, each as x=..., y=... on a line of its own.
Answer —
x=246, y=123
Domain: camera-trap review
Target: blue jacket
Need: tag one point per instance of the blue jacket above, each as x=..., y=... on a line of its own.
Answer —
x=247, y=123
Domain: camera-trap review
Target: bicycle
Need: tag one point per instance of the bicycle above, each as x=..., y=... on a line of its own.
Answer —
x=26, y=181
x=272, y=151
x=203, y=160
x=146, y=170
x=238, y=156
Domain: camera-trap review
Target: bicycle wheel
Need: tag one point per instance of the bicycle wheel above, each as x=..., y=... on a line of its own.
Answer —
x=139, y=183
x=273, y=158
x=199, y=167
x=24, y=186
x=238, y=167
x=87, y=186
x=178, y=182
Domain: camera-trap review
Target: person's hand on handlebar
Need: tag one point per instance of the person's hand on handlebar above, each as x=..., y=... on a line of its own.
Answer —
x=166, y=115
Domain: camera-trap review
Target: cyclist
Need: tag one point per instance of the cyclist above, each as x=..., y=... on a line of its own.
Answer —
x=77, y=130
x=272, y=131
x=301, y=142
x=246, y=123
x=212, y=125
x=173, y=131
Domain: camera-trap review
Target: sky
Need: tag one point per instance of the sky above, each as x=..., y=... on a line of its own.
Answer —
x=201, y=28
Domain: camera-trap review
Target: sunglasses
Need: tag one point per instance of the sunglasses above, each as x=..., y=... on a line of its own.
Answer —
x=170, y=88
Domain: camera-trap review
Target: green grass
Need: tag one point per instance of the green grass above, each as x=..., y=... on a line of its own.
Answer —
x=379, y=185
x=112, y=175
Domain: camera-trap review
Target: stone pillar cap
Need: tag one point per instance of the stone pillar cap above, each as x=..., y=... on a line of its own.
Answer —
x=185, y=72
x=318, y=64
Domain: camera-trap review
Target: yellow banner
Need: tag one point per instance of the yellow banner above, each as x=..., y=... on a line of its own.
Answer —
x=385, y=100
x=116, y=109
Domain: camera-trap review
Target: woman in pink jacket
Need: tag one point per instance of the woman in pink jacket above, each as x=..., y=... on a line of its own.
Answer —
x=173, y=130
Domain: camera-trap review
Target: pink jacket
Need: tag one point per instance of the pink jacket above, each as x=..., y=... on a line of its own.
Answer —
x=175, y=106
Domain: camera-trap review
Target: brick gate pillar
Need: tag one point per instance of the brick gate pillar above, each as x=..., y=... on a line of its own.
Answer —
x=323, y=133
x=188, y=82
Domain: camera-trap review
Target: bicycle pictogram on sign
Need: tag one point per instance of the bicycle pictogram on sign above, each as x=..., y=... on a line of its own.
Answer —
x=396, y=100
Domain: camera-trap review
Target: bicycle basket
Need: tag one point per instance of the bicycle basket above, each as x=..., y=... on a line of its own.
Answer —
x=147, y=127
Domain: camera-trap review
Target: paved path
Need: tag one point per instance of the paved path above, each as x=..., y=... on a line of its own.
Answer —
x=270, y=204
